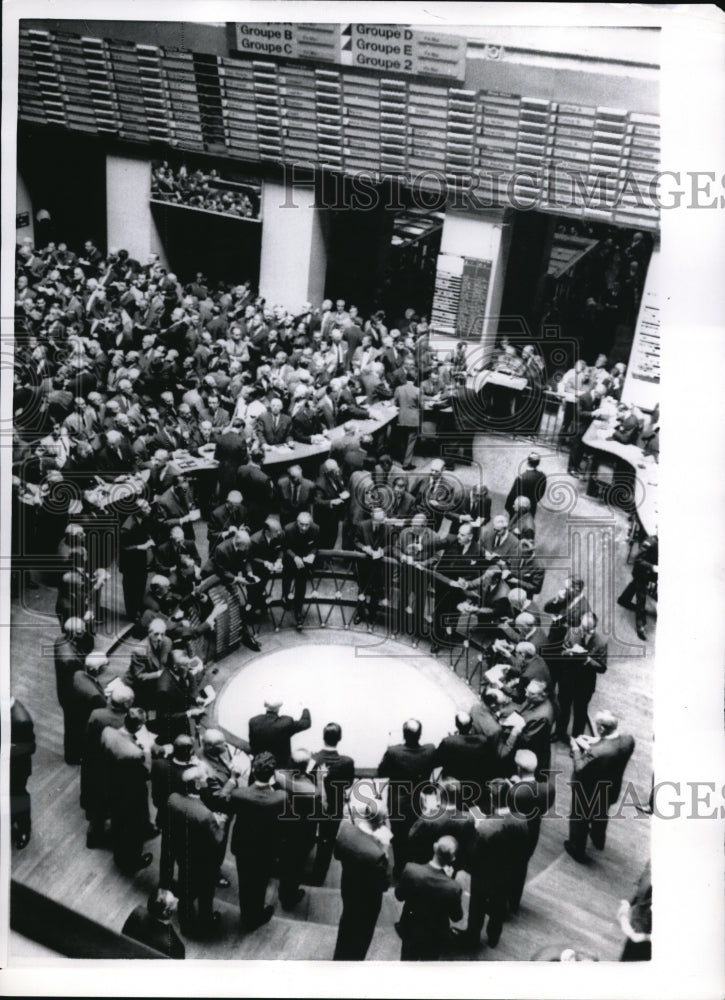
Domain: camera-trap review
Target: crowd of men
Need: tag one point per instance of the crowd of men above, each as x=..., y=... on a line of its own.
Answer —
x=121, y=373
x=197, y=189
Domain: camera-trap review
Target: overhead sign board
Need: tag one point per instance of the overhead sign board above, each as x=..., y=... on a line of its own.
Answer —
x=390, y=48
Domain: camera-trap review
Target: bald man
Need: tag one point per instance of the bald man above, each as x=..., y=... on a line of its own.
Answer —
x=407, y=766
x=528, y=797
x=465, y=756
x=432, y=899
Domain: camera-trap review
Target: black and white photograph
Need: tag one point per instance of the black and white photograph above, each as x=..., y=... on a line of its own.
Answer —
x=335, y=629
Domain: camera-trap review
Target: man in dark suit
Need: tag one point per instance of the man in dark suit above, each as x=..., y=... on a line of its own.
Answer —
x=528, y=797
x=460, y=562
x=274, y=427
x=465, y=756
x=174, y=507
x=230, y=453
x=135, y=543
x=298, y=827
x=522, y=524
x=116, y=456
x=437, y=494
x=330, y=503
x=301, y=540
x=272, y=732
x=255, y=841
x=500, y=857
x=306, y=423
x=474, y=508
x=628, y=426
x=583, y=656
x=598, y=770
x=644, y=571
x=407, y=766
x=529, y=726
x=94, y=792
x=225, y=519
x=449, y=819
x=526, y=571
x=176, y=698
x=528, y=665
x=372, y=538
x=86, y=694
x=266, y=559
x=402, y=503
x=295, y=494
x=362, y=849
x=191, y=839
x=497, y=542
x=566, y=609
x=530, y=483
x=161, y=471
x=432, y=899
x=256, y=489
x=151, y=924
x=585, y=411
x=126, y=772
x=333, y=774
x=22, y=748
x=416, y=548
x=167, y=774
x=70, y=651
x=168, y=554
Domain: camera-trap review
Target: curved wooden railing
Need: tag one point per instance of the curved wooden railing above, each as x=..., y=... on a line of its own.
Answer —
x=332, y=600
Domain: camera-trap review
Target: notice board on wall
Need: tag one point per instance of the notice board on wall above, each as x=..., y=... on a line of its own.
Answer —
x=461, y=295
x=475, y=282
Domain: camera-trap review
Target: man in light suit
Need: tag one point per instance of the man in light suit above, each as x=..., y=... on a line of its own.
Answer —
x=405, y=432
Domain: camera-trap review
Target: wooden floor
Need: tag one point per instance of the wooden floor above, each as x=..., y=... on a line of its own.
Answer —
x=563, y=902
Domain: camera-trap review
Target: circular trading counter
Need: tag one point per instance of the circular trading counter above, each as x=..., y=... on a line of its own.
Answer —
x=369, y=685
